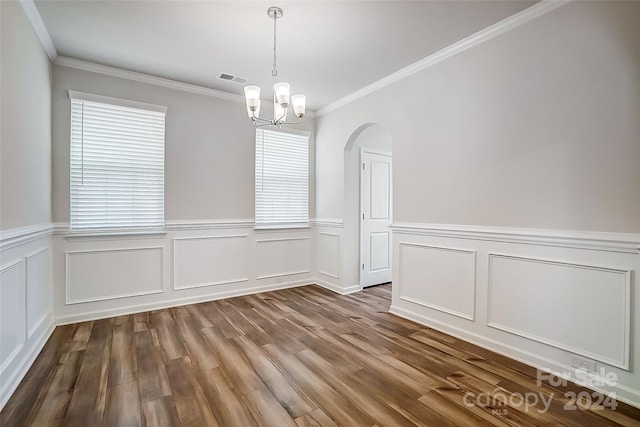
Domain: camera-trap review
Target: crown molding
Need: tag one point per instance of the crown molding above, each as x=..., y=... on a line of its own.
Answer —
x=107, y=70
x=514, y=21
x=37, y=23
x=475, y=39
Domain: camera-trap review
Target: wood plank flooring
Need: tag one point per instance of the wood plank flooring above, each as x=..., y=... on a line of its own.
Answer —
x=297, y=357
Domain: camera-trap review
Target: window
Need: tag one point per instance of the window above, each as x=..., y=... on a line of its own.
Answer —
x=117, y=164
x=282, y=179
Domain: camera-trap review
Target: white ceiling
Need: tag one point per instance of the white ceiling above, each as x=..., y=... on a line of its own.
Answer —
x=326, y=49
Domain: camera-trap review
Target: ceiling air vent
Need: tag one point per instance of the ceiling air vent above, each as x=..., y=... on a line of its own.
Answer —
x=232, y=78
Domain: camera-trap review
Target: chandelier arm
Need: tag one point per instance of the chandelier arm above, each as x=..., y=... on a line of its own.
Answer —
x=281, y=118
x=259, y=125
x=291, y=123
x=256, y=118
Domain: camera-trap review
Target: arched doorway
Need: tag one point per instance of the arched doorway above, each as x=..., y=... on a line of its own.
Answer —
x=369, y=138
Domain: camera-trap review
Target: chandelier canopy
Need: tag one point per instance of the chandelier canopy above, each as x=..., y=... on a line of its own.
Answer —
x=280, y=91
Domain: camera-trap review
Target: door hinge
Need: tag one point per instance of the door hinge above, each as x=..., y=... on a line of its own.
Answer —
x=363, y=217
x=363, y=266
x=363, y=166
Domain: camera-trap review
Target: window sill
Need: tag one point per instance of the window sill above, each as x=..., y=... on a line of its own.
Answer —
x=113, y=234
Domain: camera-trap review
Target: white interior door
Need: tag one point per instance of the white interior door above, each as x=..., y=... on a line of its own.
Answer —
x=376, y=215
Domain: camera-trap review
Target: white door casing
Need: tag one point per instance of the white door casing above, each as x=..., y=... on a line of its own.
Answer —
x=376, y=216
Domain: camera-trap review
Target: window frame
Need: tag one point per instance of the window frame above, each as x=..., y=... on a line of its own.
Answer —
x=266, y=226
x=114, y=230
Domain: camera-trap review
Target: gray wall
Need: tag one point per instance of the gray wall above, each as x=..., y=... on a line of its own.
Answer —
x=536, y=128
x=209, y=148
x=25, y=122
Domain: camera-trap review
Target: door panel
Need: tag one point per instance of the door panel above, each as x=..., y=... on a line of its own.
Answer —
x=379, y=251
x=380, y=176
x=376, y=215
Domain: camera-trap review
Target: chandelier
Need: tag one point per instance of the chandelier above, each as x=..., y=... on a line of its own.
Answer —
x=280, y=91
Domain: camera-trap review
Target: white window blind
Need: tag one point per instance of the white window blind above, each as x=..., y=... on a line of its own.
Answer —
x=282, y=179
x=117, y=164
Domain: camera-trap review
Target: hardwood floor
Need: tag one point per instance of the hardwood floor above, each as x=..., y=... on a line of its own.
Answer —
x=296, y=357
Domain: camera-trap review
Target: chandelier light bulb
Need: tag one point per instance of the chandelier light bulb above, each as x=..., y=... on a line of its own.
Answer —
x=252, y=95
x=299, y=102
x=281, y=89
x=255, y=112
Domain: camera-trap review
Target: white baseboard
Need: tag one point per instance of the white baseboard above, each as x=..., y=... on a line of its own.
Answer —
x=28, y=355
x=176, y=302
x=337, y=289
x=623, y=393
x=351, y=289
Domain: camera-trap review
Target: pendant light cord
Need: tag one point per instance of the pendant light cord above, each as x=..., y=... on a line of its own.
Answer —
x=274, y=73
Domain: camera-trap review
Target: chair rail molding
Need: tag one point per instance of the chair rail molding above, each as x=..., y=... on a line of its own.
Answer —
x=592, y=240
x=13, y=237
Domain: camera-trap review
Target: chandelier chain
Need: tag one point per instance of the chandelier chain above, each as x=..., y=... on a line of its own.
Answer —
x=274, y=73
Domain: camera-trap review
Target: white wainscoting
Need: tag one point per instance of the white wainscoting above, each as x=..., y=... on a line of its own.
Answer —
x=529, y=296
x=285, y=256
x=104, y=274
x=26, y=306
x=38, y=292
x=437, y=277
x=329, y=254
x=98, y=276
x=542, y=297
x=13, y=315
x=488, y=270
x=334, y=261
x=210, y=260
